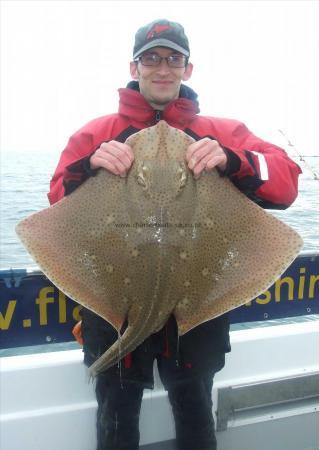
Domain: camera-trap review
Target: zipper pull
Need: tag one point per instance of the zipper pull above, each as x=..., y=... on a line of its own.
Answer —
x=158, y=116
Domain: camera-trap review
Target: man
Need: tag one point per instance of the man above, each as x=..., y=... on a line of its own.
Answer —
x=259, y=169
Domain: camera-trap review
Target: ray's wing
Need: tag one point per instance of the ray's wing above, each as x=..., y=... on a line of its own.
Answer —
x=226, y=252
x=236, y=252
x=82, y=244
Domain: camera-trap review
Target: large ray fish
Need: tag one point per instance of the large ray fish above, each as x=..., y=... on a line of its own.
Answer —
x=158, y=242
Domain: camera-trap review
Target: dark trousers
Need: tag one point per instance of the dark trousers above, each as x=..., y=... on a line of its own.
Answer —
x=119, y=410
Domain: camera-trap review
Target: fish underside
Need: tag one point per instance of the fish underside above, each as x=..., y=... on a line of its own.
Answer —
x=158, y=242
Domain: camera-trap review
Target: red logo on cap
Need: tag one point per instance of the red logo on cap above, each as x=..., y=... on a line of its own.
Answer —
x=157, y=29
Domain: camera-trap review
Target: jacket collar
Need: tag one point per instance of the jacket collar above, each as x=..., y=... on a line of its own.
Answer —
x=178, y=112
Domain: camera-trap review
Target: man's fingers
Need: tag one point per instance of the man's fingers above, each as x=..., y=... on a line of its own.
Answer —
x=198, y=156
x=200, y=166
x=113, y=156
x=192, y=149
x=209, y=148
x=208, y=163
x=196, y=153
x=220, y=161
x=106, y=164
x=112, y=164
x=205, y=155
x=125, y=148
x=122, y=154
x=108, y=161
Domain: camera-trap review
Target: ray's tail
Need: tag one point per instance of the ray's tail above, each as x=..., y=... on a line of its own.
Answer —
x=136, y=332
x=141, y=322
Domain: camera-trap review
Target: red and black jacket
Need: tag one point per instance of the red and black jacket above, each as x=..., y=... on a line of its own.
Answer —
x=259, y=169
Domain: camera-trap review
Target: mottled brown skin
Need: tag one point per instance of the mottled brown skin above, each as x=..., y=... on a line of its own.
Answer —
x=158, y=243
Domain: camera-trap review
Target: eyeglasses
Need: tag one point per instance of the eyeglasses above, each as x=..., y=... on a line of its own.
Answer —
x=153, y=60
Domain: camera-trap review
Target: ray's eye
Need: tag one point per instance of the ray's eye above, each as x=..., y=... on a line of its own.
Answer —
x=141, y=180
x=182, y=176
x=142, y=175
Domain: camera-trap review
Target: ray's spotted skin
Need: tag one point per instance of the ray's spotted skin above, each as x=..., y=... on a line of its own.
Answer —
x=158, y=242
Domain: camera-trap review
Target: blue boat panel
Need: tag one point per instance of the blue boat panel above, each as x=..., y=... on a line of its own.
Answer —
x=33, y=311
x=295, y=293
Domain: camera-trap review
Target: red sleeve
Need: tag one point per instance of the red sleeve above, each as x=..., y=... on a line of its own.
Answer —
x=266, y=173
x=79, y=147
x=73, y=167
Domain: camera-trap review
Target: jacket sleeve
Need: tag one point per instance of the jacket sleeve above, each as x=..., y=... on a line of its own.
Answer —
x=73, y=167
x=261, y=170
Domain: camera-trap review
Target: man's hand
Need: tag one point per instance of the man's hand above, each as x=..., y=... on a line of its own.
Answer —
x=113, y=156
x=205, y=154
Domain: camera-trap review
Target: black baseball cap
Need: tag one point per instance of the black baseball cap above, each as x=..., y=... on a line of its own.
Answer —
x=161, y=33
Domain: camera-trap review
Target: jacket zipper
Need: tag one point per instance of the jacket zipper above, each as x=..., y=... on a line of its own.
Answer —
x=158, y=116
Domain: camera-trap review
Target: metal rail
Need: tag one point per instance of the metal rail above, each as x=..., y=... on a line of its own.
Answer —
x=253, y=397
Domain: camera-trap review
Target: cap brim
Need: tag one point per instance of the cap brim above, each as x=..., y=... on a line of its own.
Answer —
x=161, y=43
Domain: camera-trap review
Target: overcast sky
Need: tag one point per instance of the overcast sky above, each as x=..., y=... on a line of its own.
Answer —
x=63, y=61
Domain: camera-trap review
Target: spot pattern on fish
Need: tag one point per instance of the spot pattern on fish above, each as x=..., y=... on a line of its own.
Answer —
x=158, y=242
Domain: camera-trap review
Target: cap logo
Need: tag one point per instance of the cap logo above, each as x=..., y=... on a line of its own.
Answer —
x=157, y=29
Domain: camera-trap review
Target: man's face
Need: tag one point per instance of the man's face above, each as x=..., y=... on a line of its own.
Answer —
x=160, y=84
